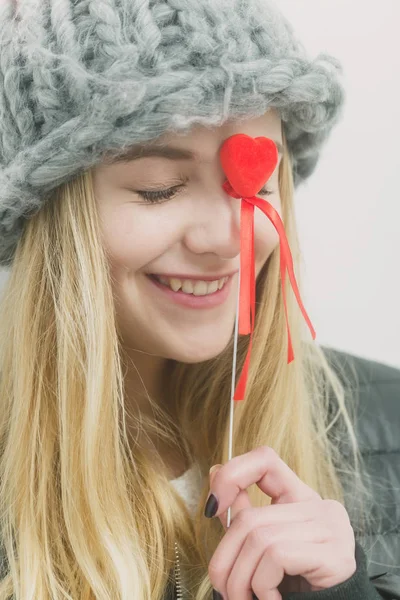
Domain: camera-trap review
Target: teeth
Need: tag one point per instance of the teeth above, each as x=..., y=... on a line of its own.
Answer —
x=175, y=284
x=197, y=288
x=212, y=287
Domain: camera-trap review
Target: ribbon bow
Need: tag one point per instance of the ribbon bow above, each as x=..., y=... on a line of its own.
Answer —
x=248, y=164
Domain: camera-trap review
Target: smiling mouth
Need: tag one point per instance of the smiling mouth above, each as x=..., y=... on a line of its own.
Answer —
x=190, y=286
x=190, y=300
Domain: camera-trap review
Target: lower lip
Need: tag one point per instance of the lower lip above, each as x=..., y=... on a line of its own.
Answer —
x=192, y=301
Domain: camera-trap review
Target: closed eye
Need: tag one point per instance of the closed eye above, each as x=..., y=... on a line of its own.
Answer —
x=157, y=197
x=160, y=195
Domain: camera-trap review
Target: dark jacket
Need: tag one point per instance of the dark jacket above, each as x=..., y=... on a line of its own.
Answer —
x=377, y=426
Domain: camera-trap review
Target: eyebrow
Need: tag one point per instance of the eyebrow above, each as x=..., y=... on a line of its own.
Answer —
x=170, y=152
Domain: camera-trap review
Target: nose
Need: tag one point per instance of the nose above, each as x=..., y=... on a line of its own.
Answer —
x=214, y=224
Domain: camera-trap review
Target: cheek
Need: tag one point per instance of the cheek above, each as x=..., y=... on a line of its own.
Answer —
x=134, y=236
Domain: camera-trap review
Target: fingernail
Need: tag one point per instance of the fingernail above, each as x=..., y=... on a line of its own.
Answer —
x=211, y=506
x=217, y=595
x=214, y=468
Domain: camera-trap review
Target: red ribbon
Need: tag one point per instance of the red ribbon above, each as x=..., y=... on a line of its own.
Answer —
x=242, y=155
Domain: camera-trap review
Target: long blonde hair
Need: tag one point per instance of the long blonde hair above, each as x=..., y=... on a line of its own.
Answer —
x=87, y=512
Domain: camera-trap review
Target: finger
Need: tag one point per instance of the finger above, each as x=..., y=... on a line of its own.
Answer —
x=264, y=467
x=316, y=563
x=276, y=516
x=242, y=501
x=286, y=558
x=234, y=562
x=269, y=590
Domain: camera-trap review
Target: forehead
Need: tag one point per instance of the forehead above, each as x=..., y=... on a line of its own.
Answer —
x=202, y=144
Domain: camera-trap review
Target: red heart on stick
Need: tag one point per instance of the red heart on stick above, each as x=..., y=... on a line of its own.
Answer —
x=248, y=162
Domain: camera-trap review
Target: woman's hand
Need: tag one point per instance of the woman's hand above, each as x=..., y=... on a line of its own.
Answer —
x=300, y=542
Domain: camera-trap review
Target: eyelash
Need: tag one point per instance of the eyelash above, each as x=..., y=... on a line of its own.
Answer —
x=163, y=195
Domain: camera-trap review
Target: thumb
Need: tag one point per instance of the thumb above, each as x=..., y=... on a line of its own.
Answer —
x=214, y=469
x=242, y=500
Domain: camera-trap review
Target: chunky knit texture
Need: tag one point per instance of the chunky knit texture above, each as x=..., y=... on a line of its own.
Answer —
x=80, y=78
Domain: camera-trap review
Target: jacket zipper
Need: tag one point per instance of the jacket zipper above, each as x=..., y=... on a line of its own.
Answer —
x=178, y=582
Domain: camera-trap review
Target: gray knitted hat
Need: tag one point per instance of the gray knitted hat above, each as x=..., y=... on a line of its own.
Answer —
x=80, y=78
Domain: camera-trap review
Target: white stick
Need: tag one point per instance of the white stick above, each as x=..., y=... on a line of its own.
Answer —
x=233, y=385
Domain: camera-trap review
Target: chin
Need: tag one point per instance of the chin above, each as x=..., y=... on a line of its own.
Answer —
x=199, y=353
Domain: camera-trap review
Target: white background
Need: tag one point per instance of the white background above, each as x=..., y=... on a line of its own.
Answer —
x=349, y=210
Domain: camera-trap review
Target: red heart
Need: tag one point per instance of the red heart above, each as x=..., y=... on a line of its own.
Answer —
x=248, y=162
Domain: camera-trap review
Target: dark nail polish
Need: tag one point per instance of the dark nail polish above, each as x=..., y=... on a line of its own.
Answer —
x=217, y=595
x=211, y=506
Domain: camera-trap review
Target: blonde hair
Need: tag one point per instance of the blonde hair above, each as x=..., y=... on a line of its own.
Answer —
x=87, y=512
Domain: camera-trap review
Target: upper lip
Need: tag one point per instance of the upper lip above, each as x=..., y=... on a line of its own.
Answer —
x=188, y=276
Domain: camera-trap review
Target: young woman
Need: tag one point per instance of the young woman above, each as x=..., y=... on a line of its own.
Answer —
x=117, y=322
